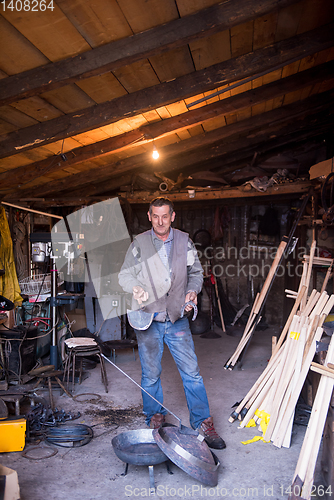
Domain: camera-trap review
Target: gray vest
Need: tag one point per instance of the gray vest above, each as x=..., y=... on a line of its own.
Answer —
x=166, y=292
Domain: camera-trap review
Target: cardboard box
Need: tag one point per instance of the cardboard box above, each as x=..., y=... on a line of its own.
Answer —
x=9, y=484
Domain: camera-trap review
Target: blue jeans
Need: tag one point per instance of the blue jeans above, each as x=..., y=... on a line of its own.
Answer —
x=179, y=340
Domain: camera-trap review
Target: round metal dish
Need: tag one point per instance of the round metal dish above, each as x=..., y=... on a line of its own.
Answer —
x=188, y=451
x=138, y=447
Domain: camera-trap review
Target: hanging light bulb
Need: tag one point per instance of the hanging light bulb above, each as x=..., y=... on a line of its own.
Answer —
x=155, y=153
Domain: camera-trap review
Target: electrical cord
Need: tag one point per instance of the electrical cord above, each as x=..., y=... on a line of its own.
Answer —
x=70, y=435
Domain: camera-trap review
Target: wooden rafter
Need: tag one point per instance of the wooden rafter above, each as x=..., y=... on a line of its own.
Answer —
x=163, y=94
x=288, y=120
x=235, y=103
x=143, y=45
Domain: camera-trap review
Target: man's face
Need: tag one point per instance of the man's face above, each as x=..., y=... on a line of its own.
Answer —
x=161, y=220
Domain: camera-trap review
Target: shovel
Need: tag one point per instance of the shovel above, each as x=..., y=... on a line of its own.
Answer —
x=182, y=428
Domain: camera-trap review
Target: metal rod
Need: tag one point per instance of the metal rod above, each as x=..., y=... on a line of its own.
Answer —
x=31, y=210
x=140, y=387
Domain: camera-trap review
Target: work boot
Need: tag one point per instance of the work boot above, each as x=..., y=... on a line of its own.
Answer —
x=212, y=439
x=157, y=420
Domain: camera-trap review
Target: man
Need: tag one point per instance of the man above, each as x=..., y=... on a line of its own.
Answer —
x=163, y=273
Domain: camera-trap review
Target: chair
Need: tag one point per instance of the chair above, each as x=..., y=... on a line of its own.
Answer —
x=80, y=347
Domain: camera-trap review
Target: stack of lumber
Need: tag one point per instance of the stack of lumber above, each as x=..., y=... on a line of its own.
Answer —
x=302, y=485
x=255, y=314
x=275, y=394
x=272, y=400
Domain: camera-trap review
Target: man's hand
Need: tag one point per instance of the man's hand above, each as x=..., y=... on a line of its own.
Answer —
x=193, y=297
x=139, y=294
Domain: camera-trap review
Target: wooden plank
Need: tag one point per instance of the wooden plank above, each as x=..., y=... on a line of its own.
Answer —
x=220, y=194
x=328, y=275
x=242, y=38
x=20, y=55
x=131, y=49
x=104, y=181
x=315, y=14
x=310, y=264
x=296, y=392
x=16, y=117
x=172, y=64
x=309, y=451
x=6, y=128
x=102, y=88
x=195, y=156
x=298, y=366
x=322, y=168
x=69, y=99
x=37, y=108
x=162, y=94
x=211, y=50
x=287, y=21
x=186, y=8
x=137, y=76
x=323, y=370
x=99, y=23
x=290, y=318
x=210, y=138
x=49, y=31
x=145, y=14
x=91, y=137
x=256, y=388
x=264, y=30
x=14, y=162
x=283, y=378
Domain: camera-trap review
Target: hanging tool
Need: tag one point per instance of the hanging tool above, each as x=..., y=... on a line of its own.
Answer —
x=214, y=282
x=239, y=314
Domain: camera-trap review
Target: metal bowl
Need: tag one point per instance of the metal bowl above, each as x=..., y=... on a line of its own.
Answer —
x=138, y=447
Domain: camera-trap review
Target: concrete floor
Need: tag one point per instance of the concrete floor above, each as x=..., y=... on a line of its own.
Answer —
x=93, y=471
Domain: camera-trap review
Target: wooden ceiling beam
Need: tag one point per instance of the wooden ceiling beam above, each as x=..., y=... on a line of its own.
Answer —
x=186, y=153
x=232, y=153
x=111, y=56
x=184, y=87
x=232, y=104
x=220, y=194
x=201, y=194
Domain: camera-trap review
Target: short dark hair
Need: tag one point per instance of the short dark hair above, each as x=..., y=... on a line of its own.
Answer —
x=160, y=202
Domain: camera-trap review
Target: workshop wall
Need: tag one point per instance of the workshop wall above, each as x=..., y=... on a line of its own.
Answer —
x=238, y=243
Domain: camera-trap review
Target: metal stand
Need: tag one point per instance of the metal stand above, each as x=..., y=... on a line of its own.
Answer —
x=53, y=347
x=151, y=475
